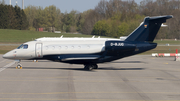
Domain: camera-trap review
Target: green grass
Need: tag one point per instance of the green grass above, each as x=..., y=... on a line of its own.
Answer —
x=21, y=36
x=164, y=42
x=163, y=49
x=5, y=49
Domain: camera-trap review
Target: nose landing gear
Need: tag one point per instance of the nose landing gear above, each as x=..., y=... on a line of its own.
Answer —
x=19, y=66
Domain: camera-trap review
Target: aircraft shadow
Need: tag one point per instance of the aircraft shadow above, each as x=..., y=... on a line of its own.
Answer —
x=35, y=62
x=82, y=69
x=49, y=68
x=121, y=68
x=79, y=69
x=127, y=62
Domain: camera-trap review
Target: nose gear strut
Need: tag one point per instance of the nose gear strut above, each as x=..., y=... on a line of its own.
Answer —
x=19, y=66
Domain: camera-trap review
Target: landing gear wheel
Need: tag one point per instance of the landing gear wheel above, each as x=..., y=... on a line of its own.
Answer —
x=85, y=67
x=19, y=66
x=90, y=67
x=95, y=66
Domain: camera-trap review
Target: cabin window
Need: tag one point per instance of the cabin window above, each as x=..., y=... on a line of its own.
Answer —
x=46, y=47
x=88, y=46
x=53, y=47
x=23, y=46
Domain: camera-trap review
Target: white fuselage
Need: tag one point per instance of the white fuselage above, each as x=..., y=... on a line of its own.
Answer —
x=53, y=46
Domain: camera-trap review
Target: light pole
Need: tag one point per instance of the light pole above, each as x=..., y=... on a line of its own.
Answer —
x=16, y=3
x=22, y=4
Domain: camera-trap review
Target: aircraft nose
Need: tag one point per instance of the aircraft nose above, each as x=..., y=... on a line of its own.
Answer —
x=7, y=56
x=4, y=56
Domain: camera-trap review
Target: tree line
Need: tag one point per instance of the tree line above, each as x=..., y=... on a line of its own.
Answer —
x=112, y=18
x=118, y=18
x=52, y=17
x=12, y=17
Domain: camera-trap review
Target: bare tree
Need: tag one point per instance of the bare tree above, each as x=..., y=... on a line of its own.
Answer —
x=101, y=8
x=90, y=20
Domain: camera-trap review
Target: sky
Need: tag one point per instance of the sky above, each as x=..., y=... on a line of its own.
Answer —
x=63, y=5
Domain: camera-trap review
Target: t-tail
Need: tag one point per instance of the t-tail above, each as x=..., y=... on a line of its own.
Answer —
x=140, y=40
x=148, y=30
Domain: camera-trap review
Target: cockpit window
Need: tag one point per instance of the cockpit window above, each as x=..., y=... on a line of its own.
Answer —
x=20, y=46
x=23, y=46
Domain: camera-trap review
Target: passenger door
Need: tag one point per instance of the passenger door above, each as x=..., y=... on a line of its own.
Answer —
x=39, y=50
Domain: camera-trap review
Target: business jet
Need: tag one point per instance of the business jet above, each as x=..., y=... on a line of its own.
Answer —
x=90, y=51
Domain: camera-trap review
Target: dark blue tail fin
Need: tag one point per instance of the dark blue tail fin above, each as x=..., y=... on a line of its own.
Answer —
x=148, y=30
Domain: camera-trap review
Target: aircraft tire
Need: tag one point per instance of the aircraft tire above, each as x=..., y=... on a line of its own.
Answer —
x=95, y=66
x=89, y=67
x=19, y=66
x=85, y=67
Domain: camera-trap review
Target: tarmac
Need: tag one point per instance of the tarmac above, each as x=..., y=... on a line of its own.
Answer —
x=136, y=78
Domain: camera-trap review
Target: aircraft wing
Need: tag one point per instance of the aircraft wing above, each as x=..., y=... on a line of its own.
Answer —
x=80, y=58
x=83, y=57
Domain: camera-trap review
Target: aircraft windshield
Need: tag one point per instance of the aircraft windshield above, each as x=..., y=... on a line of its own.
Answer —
x=23, y=46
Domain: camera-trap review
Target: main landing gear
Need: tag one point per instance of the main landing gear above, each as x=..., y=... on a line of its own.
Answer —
x=90, y=66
